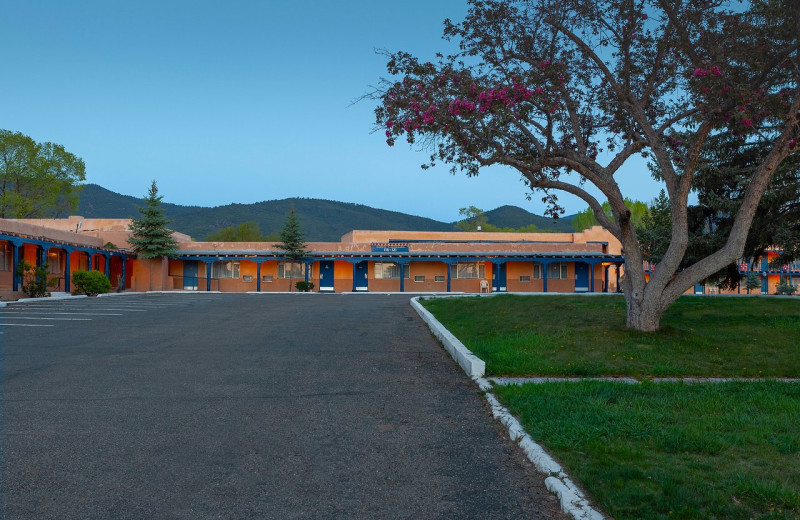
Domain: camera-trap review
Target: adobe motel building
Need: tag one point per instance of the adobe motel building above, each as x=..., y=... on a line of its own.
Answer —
x=362, y=261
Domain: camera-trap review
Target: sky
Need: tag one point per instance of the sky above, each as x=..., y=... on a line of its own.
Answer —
x=239, y=101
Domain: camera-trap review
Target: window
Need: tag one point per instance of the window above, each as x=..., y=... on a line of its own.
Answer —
x=290, y=270
x=419, y=278
x=5, y=257
x=524, y=278
x=439, y=278
x=470, y=270
x=266, y=278
x=225, y=269
x=387, y=270
x=556, y=270
x=54, y=262
x=247, y=278
x=82, y=262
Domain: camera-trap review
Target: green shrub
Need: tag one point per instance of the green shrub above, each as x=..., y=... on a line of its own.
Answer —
x=752, y=282
x=304, y=286
x=786, y=288
x=90, y=283
x=34, y=279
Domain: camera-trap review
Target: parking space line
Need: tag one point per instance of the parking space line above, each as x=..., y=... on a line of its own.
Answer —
x=24, y=325
x=2, y=313
x=50, y=319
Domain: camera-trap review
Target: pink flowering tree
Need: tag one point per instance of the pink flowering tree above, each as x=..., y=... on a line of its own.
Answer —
x=566, y=92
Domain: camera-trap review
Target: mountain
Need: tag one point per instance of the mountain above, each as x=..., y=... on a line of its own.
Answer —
x=515, y=217
x=322, y=220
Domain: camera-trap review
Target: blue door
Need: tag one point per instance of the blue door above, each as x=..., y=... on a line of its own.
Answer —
x=499, y=278
x=326, y=276
x=361, y=282
x=699, y=288
x=190, y=275
x=581, y=277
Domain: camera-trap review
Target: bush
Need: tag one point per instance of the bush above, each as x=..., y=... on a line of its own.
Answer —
x=90, y=283
x=304, y=286
x=786, y=289
x=34, y=279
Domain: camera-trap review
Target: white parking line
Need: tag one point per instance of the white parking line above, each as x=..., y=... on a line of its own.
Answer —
x=23, y=325
x=2, y=313
x=50, y=319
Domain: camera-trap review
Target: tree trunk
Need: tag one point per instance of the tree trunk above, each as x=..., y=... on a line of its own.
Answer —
x=644, y=314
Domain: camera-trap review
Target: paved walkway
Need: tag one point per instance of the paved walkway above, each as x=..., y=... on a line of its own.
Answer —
x=247, y=406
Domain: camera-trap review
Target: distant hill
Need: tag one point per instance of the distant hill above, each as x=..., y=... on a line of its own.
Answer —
x=322, y=220
x=515, y=217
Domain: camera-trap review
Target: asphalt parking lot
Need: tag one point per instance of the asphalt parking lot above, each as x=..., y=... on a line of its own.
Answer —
x=236, y=406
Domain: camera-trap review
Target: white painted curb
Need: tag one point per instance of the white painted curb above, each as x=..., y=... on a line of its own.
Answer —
x=47, y=299
x=573, y=501
x=474, y=366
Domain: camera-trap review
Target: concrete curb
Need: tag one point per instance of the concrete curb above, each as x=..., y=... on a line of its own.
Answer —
x=474, y=366
x=573, y=501
x=632, y=381
x=46, y=299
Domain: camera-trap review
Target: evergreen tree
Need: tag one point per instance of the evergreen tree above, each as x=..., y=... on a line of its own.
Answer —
x=150, y=237
x=752, y=282
x=292, y=242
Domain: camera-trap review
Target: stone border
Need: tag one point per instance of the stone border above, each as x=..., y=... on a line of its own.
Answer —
x=633, y=381
x=572, y=499
x=474, y=366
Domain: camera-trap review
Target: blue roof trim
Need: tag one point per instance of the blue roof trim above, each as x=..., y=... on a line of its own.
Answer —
x=23, y=239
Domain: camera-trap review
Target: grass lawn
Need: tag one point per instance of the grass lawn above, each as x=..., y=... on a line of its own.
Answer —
x=586, y=336
x=670, y=450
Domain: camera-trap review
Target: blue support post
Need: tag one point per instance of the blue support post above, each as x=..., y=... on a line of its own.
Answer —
x=123, y=273
x=496, y=276
x=89, y=261
x=354, y=275
x=544, y=275
x=305, y=268
x=258, y=276
x=591, y=287
x=448, y=276
x=402, y=277
x=107, y=264
x=43, y=255
x=619, y=289
x=208, y=276
x=66, y=269
x=14, y=264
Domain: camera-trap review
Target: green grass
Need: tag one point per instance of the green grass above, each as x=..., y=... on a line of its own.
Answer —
x=672, y=451
x=586, y=336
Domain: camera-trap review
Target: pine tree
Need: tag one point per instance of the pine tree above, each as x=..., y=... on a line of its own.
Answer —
x=292, y=241
x=150, y=237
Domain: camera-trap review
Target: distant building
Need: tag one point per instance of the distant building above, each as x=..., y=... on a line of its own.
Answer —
x=377, y=261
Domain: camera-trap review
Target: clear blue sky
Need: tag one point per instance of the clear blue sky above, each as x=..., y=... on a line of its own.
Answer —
x=237, y=101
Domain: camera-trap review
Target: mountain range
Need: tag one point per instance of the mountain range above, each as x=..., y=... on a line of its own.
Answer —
x=321, y=220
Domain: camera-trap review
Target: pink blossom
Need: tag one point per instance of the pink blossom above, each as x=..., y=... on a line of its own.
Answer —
x=716, y=71
x=544, y=64
x=747, y=122
x=389, y=124
x=700, y=73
